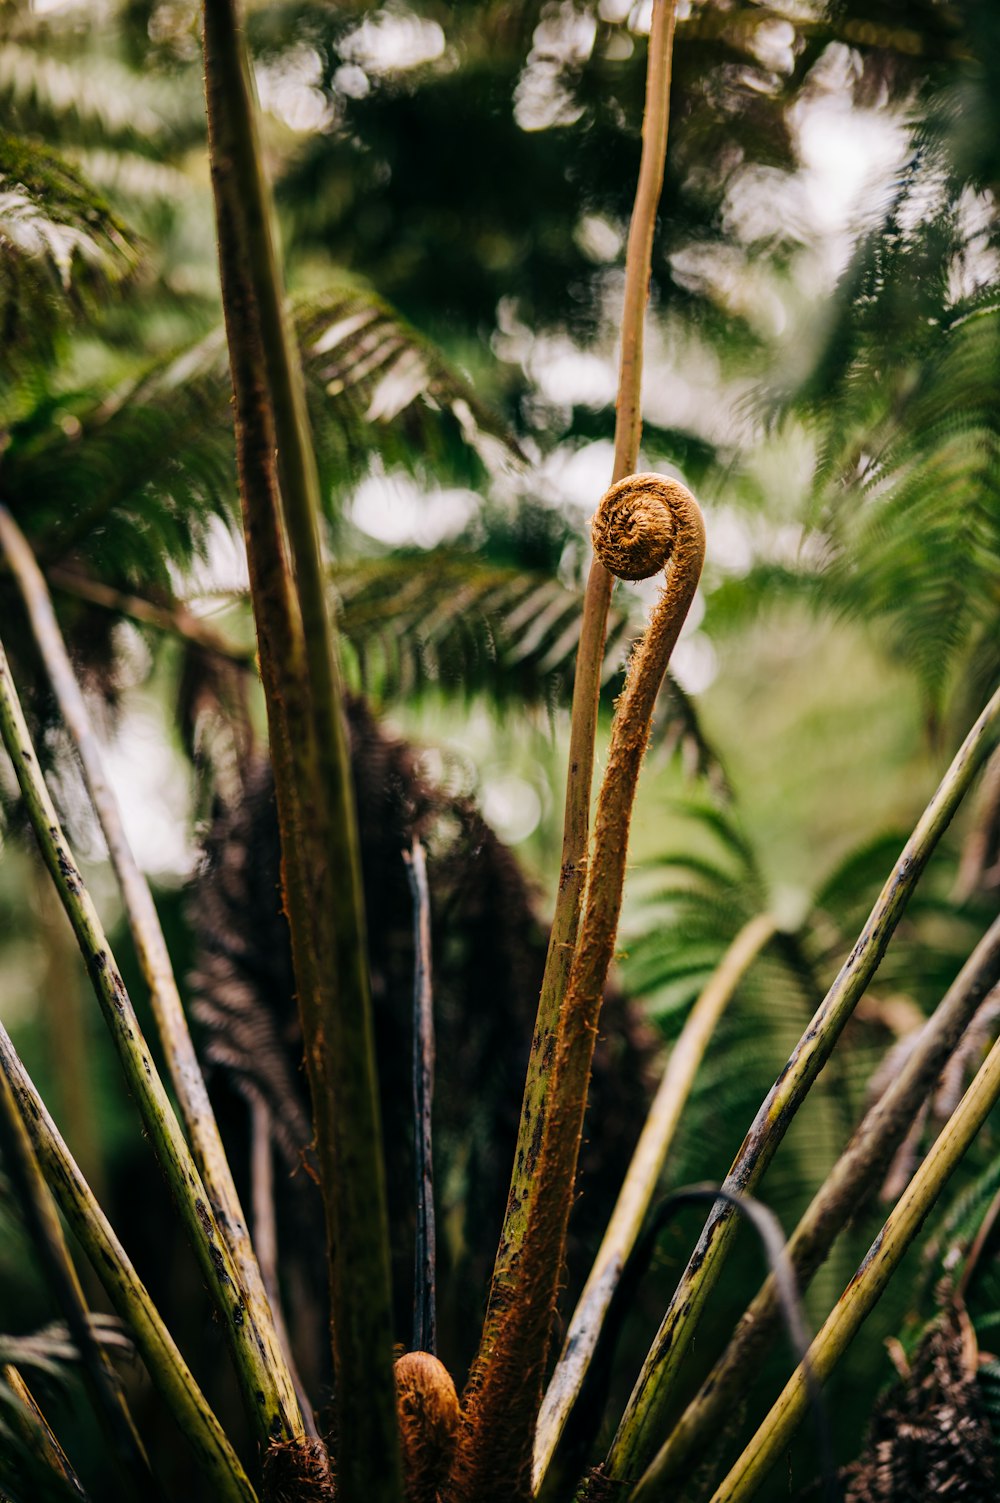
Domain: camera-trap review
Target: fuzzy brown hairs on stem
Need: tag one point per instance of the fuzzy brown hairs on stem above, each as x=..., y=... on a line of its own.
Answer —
x=429, y=1417
x=298, y=1471
x=644, y=522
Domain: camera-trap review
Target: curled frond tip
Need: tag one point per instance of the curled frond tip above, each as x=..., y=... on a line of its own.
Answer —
x=638, y=524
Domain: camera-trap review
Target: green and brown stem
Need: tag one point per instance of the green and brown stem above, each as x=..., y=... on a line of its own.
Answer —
x=266, y=1399
x=321, y=865
x=865, y=1289
x=153, y=956
x=856, y=1173
x=643, y=1426
x=638, y=1189
x=645, y=522
x=593, y=628
x=169, y=1372
x=45, y=1229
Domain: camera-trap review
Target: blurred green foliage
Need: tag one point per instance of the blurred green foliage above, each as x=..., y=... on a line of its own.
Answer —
x=454, y=182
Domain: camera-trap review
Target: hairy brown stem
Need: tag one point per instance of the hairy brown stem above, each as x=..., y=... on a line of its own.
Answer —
x=593, y=628
x=644, y=523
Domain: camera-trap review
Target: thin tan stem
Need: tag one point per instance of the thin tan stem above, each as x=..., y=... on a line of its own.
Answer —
x=639, y=1188
x=175, y=620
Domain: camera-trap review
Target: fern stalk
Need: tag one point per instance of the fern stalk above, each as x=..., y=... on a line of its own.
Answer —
x=639, y=1188
x=643, y=523
x=865, y=1289
x=264, y=1396
x=644, y=1422
x=151, y=950
x=857, y=1171
x=301, y=678
x=109, y=1260
x=46, y=1231
x=590, y=648
x=586, y=693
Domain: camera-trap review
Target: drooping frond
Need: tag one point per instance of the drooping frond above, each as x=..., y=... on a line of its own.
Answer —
x=60, y=245
x=132, y=479
x=443, y=618
x=446, y=620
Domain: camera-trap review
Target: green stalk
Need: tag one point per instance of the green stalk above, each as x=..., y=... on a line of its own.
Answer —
x=644, y=1422
x=593, y=628
x=301, y=676
x=265, y=1398
x=109, y=1260
x=638, y=1190
x=865, y=1289
x=858, y=1170
x=42, y=1220
x=644, y=522
x=151, y=950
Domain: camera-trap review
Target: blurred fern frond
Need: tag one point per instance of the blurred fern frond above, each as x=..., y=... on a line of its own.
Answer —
x=61, y=247
x=133, y=479
x=445, y=619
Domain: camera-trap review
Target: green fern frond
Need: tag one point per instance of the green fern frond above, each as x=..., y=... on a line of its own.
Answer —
x=61, y=247
x=132, y=480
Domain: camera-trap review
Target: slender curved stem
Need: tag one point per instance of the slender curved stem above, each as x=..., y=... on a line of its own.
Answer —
x=639, y=1187
x=641, y=1430
x=109, y=1260
x=856, y=1172
x=264, y=1396
x=153, y=956
x=504, y=1392
x=321, y=861
x=865, y=1289
x=593, y=626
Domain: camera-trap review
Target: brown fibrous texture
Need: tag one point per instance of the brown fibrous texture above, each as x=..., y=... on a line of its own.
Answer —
x=298, y=1471
x=635, y=526
x=429, y=1417
x=930, y=1435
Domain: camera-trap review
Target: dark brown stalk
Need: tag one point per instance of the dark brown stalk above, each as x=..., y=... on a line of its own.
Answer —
x=643, y=523
x=312, y=774
x=425, y=1252
x=856, y=1173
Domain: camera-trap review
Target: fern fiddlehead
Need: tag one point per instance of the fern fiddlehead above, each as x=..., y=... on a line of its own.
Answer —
x=644, y=523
